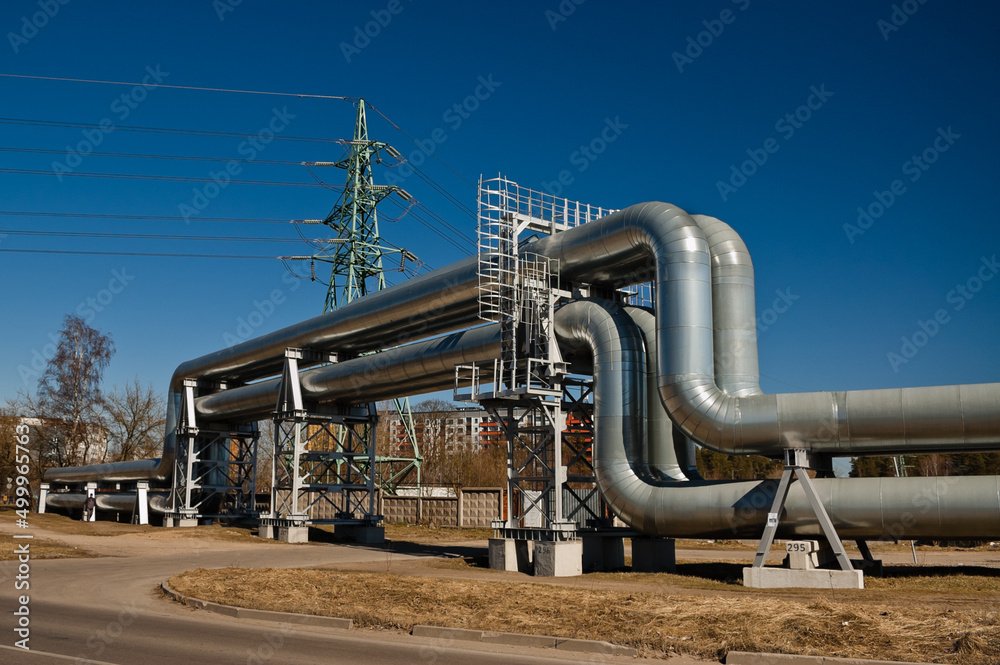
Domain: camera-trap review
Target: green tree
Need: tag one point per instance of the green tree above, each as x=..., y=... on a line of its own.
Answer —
x=717, y=466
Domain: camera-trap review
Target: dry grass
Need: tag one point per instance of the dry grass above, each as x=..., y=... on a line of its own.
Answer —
x=74, y=527
x=41, y=548
x=656, y=623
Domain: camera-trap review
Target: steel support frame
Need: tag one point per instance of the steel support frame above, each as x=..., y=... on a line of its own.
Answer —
x=533, y=429
x=578, y=441
x=213, y=465
x=321, y=458
x=797, y=463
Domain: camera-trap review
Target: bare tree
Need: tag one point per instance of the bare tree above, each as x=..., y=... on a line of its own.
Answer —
x=265, y=455
x=134, y=416
x=69, y=400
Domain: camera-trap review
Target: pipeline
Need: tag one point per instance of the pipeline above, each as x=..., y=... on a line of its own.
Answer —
x=869, y=508
x=705, y=353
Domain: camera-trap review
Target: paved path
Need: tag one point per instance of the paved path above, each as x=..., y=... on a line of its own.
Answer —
x=107, y=610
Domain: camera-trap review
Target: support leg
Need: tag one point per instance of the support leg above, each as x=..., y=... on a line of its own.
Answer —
x=772, y=518
x=824, y=520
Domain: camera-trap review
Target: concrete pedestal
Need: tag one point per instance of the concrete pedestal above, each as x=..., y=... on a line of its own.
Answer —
x=293, y=534
x=653, y=555
x=266, y=531
x=559, y=558
x=510, y=555
x=779, y=578
x=602, y=552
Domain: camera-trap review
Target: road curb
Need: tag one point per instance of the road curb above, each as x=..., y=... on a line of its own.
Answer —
x=434, y=632
x=519, y=640
x=747, y=658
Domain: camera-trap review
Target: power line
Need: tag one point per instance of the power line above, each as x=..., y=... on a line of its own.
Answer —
x=49, y=151
x=168, y=178
x=178, y=87
x=400, y=130
x=158, y=130
x=176, y=218
x=144, y=236
x=156, y=254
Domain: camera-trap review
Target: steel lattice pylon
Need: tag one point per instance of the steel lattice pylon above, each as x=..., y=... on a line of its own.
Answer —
x=356, y=254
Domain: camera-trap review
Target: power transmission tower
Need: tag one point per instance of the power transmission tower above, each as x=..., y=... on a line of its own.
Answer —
x=356, y=254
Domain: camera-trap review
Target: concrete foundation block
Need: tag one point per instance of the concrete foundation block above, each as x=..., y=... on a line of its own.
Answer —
x=511, y=555
x=186, y=522
x=802, y=554
x=782, y=578
x=293, y=534
x=653, y=555
x=559, y=558
x=602, y=553
x=266, y=531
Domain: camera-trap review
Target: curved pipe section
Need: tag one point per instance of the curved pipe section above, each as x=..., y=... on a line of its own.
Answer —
x=657, y=448
x=625, y=246
x=967, y=507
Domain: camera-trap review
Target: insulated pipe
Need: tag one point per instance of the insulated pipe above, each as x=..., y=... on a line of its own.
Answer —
x=121, y=502
x=657, y=445
x=445, y=299
x=642, y=242
x=428, y=365
x=734, y=322
x=624, y=246
x=893, y=508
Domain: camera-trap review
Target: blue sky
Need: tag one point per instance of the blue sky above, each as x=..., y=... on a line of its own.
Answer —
x=833, y=101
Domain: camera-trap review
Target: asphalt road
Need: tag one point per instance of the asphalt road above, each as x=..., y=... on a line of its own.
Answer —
x=107, y=610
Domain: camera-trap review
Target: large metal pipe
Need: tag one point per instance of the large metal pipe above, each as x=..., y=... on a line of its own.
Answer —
x=657, y=446
x=646, y=241
x=625, y=246
x=427, y=365
x=869, y=508
x=122, y=502
x=443, y=300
